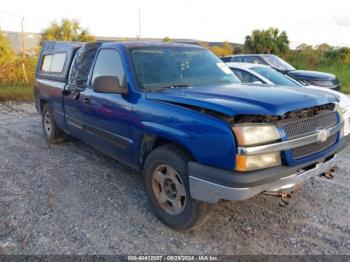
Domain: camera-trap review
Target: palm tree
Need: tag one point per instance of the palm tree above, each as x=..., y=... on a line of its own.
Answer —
x=67, y=30
x=267, y=41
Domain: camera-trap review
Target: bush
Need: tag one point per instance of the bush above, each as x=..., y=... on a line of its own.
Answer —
x=308, y=57
x=19, y=72
x=7, y=55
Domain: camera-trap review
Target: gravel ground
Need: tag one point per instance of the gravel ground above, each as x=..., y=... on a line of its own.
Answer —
x=70, y=199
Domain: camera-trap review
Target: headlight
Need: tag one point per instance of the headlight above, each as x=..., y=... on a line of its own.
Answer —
x=255, y=134
x=346, y=117
x=248, y=163
x=321, y=82
x=341, y=110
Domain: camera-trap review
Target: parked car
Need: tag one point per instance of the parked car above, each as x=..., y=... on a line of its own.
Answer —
x=179, y=115
x=256, y=73
x=307, y=77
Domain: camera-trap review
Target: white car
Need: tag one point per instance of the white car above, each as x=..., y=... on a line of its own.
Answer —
x=263, y=74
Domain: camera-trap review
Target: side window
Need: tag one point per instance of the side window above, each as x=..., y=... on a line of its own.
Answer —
x=109, y=63
x=53, y=63
x=244, y=76
x=81, y=65
x=236, y=59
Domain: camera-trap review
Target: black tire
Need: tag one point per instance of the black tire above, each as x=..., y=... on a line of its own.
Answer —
x=52, y=133
x=192, y=212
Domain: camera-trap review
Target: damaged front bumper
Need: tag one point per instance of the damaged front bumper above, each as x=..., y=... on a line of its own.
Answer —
x=211, y=184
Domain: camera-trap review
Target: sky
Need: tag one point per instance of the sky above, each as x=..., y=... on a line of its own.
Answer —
x=305, y=21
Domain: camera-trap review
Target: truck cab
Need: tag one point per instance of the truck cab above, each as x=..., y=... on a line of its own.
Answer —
x=178, y=114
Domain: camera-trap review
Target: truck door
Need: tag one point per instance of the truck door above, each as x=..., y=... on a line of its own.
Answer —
x=73, y=107
x=75, y=102
x=108, y=116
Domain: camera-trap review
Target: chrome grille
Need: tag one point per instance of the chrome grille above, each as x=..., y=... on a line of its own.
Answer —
x=306, y=126
x=308, y=150
x=295, y=128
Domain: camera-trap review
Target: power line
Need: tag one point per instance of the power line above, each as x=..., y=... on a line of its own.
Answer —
x=10, y=13
x=32, y=18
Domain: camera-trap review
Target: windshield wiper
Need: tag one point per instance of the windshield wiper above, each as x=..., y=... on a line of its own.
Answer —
x=174, y=86
x=161, y=88
x=171, y=86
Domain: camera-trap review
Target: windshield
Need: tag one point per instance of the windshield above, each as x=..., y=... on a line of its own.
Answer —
x=278, y=63
x=274, y=76
x=163, y=67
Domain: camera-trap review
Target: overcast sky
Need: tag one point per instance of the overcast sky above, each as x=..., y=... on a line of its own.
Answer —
x=312, y=22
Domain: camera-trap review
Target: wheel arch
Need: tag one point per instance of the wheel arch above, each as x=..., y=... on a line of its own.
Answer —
x=42, y=103
x=149, y=142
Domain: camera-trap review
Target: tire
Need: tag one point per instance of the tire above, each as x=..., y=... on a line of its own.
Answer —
x=52, y=133
x=166, y=183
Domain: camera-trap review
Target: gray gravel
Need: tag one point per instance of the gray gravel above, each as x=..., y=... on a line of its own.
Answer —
x=70, y=199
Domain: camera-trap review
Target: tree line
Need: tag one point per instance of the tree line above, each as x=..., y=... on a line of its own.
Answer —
x=274, y=41
x=16, y=69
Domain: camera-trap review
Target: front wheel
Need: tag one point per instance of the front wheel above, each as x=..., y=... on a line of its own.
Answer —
x=166, y=184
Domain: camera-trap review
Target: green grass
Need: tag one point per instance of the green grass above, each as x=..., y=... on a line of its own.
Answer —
x=342, y=72
x=16, y=93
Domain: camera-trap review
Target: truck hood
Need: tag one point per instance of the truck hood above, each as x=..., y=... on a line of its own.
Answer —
x=344, y=100
x=242, y=99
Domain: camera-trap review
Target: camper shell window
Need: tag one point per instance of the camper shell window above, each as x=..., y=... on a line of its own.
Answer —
x=53, y=63
x=55, y=60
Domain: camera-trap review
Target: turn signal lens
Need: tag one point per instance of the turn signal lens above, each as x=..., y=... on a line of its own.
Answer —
x=249, y=163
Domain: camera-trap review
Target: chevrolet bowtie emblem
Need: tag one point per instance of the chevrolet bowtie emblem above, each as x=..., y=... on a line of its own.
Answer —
x=322, y=135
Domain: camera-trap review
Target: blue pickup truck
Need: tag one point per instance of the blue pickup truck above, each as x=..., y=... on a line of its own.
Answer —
x=179, y=115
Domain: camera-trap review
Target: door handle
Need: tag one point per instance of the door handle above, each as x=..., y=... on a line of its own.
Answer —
x=87, y=101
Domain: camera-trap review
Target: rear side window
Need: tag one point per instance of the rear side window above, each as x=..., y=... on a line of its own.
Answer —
x=53, y=63
x=46, y=64
x=58, y=61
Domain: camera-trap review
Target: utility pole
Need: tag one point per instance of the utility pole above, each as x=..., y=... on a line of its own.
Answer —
x=25, y=76
x=23, y=40
x=139, y=35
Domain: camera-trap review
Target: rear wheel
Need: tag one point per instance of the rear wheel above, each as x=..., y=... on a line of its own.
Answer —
x=52, y=133
x=167, y=188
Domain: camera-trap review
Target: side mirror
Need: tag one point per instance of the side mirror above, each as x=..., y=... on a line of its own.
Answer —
x=108, y=84
x=66, y=92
